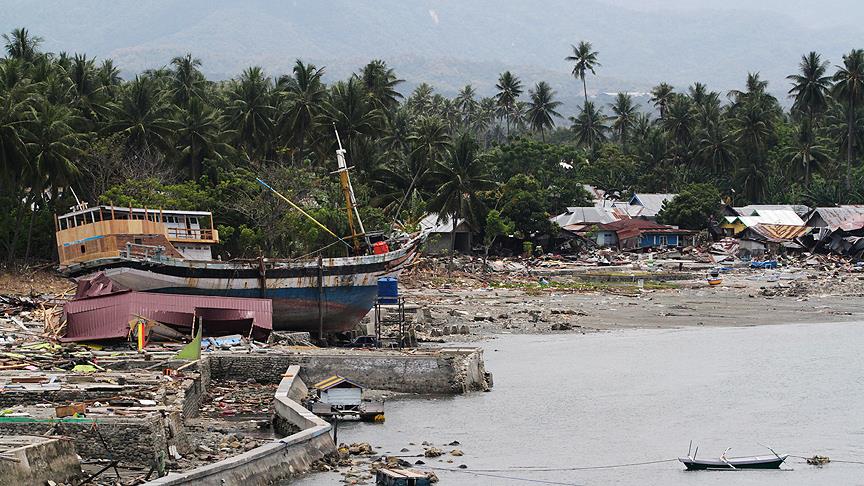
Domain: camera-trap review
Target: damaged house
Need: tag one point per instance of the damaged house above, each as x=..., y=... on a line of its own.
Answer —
x=838, y=230
x=762, y=239
x=636, y=234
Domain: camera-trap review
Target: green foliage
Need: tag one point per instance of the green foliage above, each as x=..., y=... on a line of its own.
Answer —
x=170, y=138
x=525, y=202
x=693, y=207
x=496, y=225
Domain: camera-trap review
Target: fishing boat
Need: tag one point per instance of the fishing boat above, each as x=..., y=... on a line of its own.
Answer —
x=170, y=251
x=733, y=463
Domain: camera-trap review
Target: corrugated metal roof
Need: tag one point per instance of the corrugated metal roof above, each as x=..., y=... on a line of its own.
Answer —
x=777, y=232
x=846, y=218
x=785, y=217
x=335, y=380
x=628, y=228
x=586, y=215
x=652, y=203
x=748, y=210
x=107, y=316
x=432, y=224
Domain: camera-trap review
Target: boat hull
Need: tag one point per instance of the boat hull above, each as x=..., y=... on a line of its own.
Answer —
x=733, y=463
x=332, y=295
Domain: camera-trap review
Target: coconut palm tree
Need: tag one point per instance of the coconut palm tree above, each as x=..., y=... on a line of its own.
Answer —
x=21, y=45
x=509, y=89
x=849, y=90
x=805, y=152
x=198, y=136
x=660, y=96
x=541, y=108
x=381, y=82
x=717, y=148
x=680, y=120
x=584, y=59
x=187, y=82
x=467, y=105
x=304, y=101
x=590, y=126
x=142, y=116
x=460, y=177
x=625, y=117
x=249, y=112
x=811, y=87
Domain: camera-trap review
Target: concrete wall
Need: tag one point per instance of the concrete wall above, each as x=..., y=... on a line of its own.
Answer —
x=133, y=441
x=448, y=371
x=40, y=461
x=279, y=460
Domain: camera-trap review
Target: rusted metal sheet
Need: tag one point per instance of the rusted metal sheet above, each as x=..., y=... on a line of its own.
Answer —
x=628, y=228
x=846, y=218
x=777, y=232
x=107, y=316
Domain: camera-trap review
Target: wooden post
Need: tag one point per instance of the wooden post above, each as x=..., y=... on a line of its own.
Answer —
x=112, y=211
x=56, y=223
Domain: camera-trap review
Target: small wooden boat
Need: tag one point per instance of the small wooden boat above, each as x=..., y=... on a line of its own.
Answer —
x=754, y=462
x=733, y=463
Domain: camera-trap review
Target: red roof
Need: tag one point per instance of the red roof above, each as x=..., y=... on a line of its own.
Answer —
x=628, y=228
x=107, y=316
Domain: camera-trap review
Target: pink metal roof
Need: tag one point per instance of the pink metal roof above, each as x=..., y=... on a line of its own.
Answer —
x=107, y=316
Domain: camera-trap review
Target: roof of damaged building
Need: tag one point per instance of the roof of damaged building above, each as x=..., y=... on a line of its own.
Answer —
x=776, y=233
x=107, y=316
x=846, y=218
x=629, y=228
x=785, y=217
x=750, y=209
x=651, y=203
x=433, y=223
x=587, y=216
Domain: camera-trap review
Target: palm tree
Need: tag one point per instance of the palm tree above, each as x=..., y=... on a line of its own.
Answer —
x=717, y=148
x=187, y=82
x=17, y=97
x=509, y=89
x=625, y=117
x=541, y=108
x=811, y=87
x=467, y=105
x=249, y=112
x=461, y=176
x=21, y=45
x=660, y=96
x=679, y=120
x=805, y=151
x=590, y=126
x=849, y=90
x=356, y=118
x=142, y=116
x=198, y=136
x=381, y=82
x=584, y=59
x=305, y=101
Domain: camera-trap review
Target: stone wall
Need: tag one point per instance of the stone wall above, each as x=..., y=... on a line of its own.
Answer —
x=279, y=460
x=132, y=441
x=452, y=370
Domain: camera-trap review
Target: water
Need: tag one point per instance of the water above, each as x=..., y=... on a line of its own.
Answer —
x=642, y=395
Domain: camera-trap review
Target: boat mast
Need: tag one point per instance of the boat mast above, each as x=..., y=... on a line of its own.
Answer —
x=350, y=200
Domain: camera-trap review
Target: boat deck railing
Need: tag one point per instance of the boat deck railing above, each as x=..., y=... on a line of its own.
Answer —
x=135, y=250
x=203, y=234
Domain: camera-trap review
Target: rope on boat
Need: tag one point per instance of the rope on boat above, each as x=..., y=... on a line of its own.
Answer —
x=840, y=461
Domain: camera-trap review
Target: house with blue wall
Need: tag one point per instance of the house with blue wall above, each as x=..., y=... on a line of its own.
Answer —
x=634, y=234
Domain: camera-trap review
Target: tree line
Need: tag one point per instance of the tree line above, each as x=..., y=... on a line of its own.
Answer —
x=71, y=127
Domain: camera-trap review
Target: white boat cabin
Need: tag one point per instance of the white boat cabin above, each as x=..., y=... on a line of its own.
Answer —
x=86, y=233
x=339, y=392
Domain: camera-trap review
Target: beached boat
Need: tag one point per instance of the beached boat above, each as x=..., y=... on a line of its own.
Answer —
x=733, y=463
x=169, y=252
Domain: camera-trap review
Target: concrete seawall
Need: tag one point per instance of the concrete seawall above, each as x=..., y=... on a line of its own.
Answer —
x=278, y=460
x=445, y=370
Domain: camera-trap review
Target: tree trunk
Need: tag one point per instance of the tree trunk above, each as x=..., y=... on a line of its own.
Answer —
x=585, y=91
x=455, y=221
x=29, y=236
x=849, y=141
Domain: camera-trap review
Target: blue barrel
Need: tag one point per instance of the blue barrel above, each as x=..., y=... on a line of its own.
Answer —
x=388, y=290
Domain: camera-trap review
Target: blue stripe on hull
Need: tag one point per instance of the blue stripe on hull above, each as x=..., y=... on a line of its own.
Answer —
x=296, y=309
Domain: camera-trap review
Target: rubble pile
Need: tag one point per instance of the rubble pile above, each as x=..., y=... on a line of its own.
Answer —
x=238, y=398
